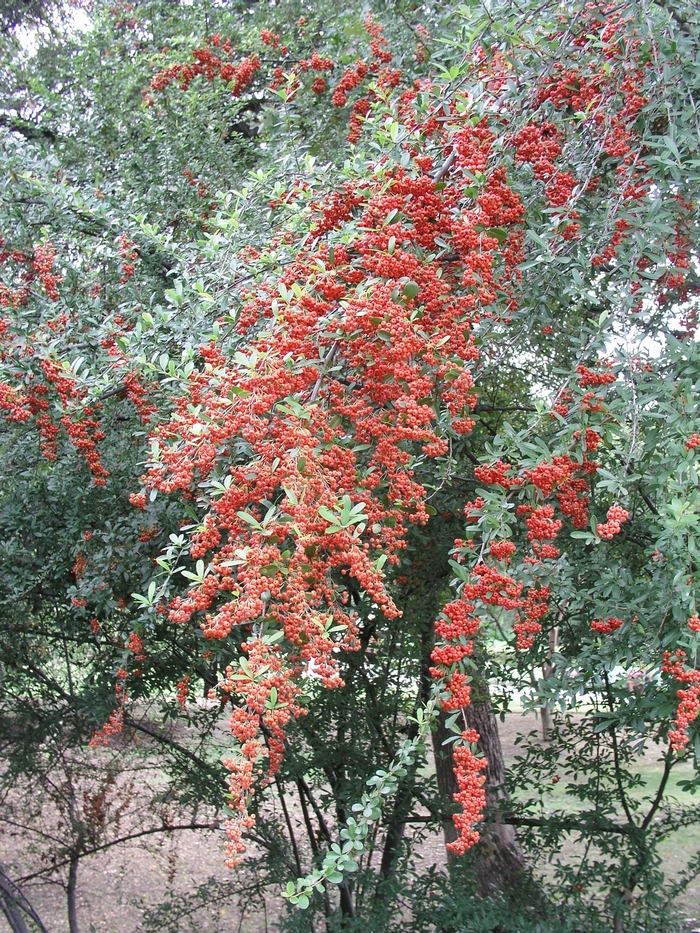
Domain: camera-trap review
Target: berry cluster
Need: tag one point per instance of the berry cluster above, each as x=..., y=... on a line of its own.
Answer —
x=589, y=378
x=129, y=256
x=616, y=516
x=471, y=795
x=689, y=705
x=209, y=65
x=38, y=265
x=79, y=421
x=182, y=692
x=115, y=723
x=540, y=145
x=42, y=265
x=608, y=626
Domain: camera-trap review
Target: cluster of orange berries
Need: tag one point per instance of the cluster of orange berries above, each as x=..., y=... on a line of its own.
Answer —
x=589, y=378
x=564, y=477
x=609, y=107
x=122, y=19
x=129, y=256
x=616, y=516
x=208, y=64
x=502, y=550
x=540, y=145
x=80, y=566
x=541, y=523
x=138, y=394
x=115, y=723
x=496, y=474
x=689, y=705
x=270, y=38
x=38, y=265
x=270, y=696
x=136, y=647
x=687, y=713
x=80, y=422
x=182, y=691
x=471, y=795
x=352, y=77
x=533, y=608
x=42, y=264
x=385, y=79
x=608, y=626
x=85, y=433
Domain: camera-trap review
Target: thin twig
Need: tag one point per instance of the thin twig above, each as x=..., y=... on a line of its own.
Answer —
x=327, y=362
x=122, y=839
x=445, y=167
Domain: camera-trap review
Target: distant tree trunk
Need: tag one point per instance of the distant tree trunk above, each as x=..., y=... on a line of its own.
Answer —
x=547, y=671
x=547, y=721
x=499, y=858
x=71, y=894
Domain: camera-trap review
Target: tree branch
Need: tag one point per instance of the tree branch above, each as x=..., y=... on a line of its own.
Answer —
x=122, y=839
x=171, y=743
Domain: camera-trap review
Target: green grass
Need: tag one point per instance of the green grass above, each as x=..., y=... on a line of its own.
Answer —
x=676, y=850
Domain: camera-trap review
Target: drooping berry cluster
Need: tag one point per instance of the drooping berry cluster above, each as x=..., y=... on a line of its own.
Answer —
x=689, y=706
x=471, y=795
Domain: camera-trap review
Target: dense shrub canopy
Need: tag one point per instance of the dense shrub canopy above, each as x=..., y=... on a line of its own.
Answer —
x=348, y=374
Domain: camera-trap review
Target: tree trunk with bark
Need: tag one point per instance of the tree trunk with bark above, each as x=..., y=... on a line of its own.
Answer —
x=71, y=894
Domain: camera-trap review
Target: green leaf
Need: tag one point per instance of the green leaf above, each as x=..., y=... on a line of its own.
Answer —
x=498, y=233
x=327, y=514
x=247, y=517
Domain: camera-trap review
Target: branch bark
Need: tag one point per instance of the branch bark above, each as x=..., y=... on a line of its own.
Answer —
x=13, y=902
x=405, y=794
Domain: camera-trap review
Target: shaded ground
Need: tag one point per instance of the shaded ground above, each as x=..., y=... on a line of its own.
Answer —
x=120, y=888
